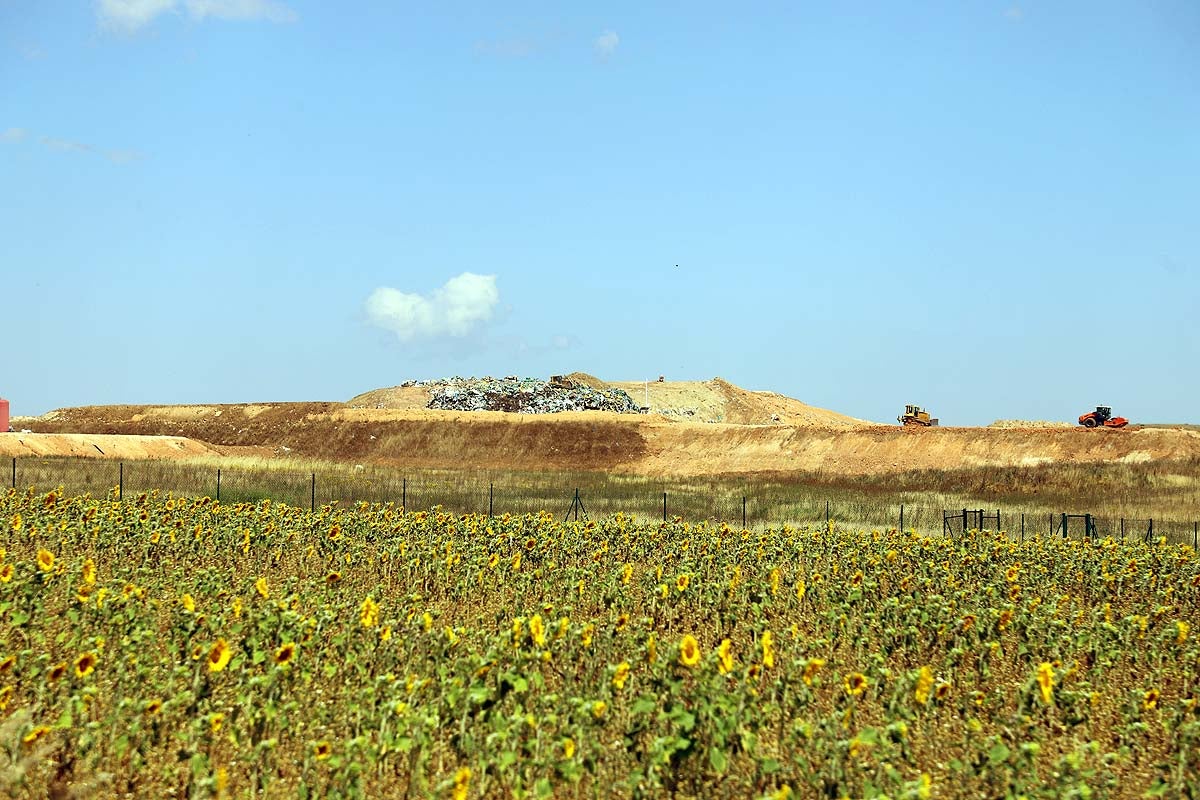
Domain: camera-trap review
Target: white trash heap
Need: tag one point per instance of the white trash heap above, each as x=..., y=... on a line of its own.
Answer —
x=525, y=396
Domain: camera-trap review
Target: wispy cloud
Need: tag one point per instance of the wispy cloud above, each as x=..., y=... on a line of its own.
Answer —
x=71, y=146
x=1014, y=13
x=240, y=9
x=454, y=310
x=606, y=43
x=17, y=135
x=65, y=145
x=129, y=16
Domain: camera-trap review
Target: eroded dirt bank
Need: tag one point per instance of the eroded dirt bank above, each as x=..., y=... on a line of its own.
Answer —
x=649, y=445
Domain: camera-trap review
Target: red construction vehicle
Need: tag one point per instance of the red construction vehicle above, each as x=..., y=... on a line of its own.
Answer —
x=1102, y=417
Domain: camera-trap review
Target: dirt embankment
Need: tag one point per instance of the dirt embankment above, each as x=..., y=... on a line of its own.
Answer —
x=682, y=450
x=719, y=401
x=90, y=445
x=637, y=444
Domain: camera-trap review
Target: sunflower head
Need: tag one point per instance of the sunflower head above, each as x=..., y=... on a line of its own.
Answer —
x=855, y=683
x=285, y=653
x=219, y=656
x=85, y=664
x=689, y=651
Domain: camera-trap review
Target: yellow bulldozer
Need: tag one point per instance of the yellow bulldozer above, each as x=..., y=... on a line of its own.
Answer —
x=915, y=415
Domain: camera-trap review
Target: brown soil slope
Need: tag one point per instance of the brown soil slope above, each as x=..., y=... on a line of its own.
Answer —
x=89, y=445
x=639, y=444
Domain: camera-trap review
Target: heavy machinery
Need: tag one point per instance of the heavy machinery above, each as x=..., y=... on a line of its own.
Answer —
x=915, y=415
x=1102, y=417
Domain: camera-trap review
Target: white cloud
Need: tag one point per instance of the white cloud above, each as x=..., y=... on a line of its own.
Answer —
x=132, y=15
x=240, y=9
x=66, y=145
x=70, y=146
x=453, y=310
x=1014, y=13
x=606, y=43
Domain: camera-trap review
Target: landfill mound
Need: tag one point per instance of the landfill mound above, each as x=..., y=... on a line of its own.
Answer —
x=528, y=396
x=711, y=401
x=719, y=401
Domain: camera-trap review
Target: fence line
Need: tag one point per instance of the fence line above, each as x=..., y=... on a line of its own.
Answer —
x=774, y=507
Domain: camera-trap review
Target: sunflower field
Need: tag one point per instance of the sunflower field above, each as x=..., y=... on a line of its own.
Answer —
x=171, y=647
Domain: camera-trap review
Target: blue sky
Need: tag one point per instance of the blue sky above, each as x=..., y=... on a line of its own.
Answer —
x=988, y=208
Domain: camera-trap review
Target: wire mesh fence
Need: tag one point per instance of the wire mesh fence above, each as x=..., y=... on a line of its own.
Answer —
x=579, y=496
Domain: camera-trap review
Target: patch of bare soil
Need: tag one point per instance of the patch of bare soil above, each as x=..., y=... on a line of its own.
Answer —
x=89, y=445
x=719, y=401
x=591, y=381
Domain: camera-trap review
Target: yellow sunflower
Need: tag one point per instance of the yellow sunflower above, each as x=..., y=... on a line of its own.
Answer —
x=689, y=651
x=621, y=675
x=924, y=685
x=725, y=657
x=45, y=560
x=1045, y=681
x=855, y=683
x=285, y=653
x=219, y=655
x=768, y=649
x=85, y=664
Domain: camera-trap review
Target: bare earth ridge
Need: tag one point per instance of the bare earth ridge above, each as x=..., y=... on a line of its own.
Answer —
x=694, y=428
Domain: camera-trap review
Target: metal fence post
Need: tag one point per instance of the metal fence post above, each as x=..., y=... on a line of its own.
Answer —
x=218, y=484
x=491, y=495
x=826, y=512
x=902, y=518
x=121, y=480
x=1022, y=526
x=404, y=494
x=14, y=472
x=664, y=506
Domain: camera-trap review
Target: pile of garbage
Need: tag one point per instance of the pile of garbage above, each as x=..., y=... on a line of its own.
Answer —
x=526, y=396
